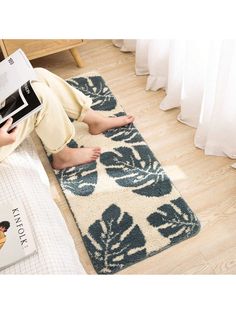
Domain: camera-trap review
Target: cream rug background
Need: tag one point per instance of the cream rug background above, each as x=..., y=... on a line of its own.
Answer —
x=124, y=204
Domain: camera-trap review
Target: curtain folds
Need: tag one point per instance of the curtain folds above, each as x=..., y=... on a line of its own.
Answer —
x=199, y=76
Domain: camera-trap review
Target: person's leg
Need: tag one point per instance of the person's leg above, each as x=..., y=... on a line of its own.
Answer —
x=23, y=130
x=77, y=105
x=55, y=130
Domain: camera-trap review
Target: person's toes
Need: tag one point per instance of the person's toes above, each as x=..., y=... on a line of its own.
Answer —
x=96, y=152
x=130, y=118
x=97, y=149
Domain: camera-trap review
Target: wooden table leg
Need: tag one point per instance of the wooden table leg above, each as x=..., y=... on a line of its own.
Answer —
x=76, y=56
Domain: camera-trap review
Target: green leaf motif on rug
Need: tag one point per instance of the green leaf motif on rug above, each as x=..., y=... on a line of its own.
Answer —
x=114, y=241
x=95, y=87
x=175, y=221
x=136, y=167
x=80, y=180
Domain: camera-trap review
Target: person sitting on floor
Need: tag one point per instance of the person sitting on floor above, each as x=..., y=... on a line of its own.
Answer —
x=53, y=125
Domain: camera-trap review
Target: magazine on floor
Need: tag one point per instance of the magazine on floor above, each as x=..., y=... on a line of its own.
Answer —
x=17, y=97
x=16, y=238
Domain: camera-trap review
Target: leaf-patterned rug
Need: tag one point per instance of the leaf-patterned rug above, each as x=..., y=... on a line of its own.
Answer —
x=124, y=204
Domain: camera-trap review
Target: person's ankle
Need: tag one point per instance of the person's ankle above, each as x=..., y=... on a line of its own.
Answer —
x=62, y=155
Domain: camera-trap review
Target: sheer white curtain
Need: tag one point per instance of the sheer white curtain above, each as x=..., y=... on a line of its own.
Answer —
x=200, y=77
x=125, y=45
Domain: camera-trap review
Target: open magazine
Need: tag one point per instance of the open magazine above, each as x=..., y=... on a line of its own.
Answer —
x=16, y=238
x=17, y=97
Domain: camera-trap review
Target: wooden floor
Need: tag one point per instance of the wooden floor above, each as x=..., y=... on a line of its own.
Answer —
x=207, y=183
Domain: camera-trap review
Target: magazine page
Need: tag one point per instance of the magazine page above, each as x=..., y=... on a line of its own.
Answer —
x=13, y=104
x=16, y=238
x=20, y=105
x=15, y=70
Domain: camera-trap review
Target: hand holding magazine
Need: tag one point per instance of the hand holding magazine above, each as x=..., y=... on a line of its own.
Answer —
x=17, y=97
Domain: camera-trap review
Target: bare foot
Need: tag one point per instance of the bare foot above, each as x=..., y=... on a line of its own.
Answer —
x=105, y=123
x=70, y=157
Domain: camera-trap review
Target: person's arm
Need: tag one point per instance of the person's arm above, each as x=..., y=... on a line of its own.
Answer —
x=5, y=137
